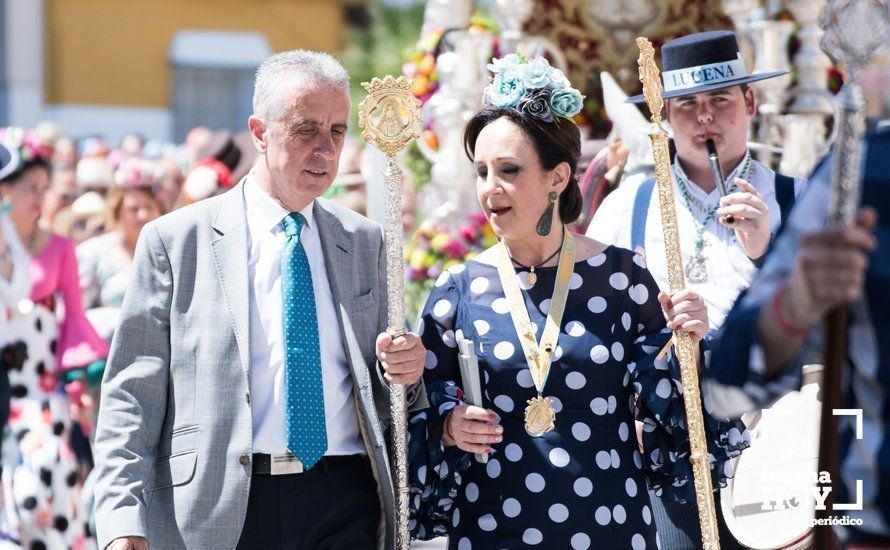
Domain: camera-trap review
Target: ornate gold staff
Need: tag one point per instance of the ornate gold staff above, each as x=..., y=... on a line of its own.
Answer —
x=684, y=347
x=390, y=119
x=855, y=32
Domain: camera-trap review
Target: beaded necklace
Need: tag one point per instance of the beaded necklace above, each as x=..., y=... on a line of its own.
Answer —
x=696, y=269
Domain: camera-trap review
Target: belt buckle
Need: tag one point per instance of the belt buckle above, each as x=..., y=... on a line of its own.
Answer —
x=285, y=463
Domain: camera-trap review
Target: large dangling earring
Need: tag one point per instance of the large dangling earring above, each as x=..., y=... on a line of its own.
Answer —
x=546, y=221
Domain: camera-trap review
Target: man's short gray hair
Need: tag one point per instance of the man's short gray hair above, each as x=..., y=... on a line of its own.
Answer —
x=289, y=70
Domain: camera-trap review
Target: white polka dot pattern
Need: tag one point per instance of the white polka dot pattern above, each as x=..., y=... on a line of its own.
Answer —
x=532, y=536
x=583, y=487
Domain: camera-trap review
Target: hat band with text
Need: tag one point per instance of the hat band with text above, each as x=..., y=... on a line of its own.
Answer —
x=703, y=75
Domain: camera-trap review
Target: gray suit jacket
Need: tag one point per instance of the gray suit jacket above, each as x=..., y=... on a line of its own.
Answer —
x=175, y=425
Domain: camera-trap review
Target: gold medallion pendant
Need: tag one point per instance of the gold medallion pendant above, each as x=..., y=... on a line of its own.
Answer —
x=539, y=416
x=531, y=278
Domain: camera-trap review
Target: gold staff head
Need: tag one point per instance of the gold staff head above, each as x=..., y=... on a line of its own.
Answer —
x=651, y=78
x=390, y=115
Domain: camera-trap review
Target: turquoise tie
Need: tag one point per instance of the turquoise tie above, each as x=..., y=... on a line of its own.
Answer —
x=306, y=434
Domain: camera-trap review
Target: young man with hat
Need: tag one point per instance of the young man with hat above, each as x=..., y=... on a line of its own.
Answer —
x=723, y=238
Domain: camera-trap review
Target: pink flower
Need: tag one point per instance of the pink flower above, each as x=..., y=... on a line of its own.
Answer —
x=454, y=249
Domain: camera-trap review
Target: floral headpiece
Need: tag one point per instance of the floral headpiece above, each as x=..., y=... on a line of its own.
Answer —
x=134, y=173
x=532, y=87
x=27, y=144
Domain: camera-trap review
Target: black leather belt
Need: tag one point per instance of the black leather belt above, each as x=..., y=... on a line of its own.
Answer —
x=265, y=464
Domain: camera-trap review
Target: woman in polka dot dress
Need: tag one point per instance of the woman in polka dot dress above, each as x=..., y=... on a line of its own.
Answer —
x=583, y=483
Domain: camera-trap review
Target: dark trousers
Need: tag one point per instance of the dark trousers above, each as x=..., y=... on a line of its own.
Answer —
x=325, y=508
x=678, y=527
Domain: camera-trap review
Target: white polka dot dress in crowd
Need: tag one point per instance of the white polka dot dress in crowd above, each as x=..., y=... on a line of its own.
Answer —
x=582, y=485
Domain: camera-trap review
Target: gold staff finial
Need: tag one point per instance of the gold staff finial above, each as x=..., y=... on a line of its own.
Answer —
x=651, y=79
x=390, y=115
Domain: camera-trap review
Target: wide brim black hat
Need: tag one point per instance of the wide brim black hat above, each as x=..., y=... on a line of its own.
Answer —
x=9, y=161
x=703, y=62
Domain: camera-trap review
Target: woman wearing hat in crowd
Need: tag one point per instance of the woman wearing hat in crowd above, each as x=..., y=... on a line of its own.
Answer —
x=85, y=216
x=39, y=466
x=106, y=260
x=566, y=332
x=723, y=238
x=224, y=159
x=15, y=283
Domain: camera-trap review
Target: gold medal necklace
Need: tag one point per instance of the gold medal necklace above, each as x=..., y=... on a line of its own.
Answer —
x=539, y=414
x=532, y=277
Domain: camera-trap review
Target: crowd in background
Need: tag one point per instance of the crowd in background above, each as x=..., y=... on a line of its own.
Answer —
x=72, y=214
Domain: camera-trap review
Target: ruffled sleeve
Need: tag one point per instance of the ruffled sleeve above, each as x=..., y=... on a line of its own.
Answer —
x=660, y=403
x=79, y=345
x=434, y=469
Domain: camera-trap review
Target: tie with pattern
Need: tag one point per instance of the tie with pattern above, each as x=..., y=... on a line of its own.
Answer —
x=306, y=434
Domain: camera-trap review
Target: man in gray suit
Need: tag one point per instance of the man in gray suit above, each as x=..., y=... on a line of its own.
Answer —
x=242, y=405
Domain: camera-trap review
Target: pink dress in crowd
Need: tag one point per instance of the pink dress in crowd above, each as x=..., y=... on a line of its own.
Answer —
x=54, y=275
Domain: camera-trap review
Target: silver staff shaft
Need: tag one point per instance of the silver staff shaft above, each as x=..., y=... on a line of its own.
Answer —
x=395, y=297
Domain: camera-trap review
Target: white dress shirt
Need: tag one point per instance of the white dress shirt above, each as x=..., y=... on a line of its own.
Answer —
x=730, y=271
x=267, y=376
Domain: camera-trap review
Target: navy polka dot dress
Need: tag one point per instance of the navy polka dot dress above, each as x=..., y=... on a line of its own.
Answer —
x=582, y=485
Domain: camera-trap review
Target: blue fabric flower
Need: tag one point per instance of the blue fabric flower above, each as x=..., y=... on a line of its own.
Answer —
x=558, y=80
x=536, y=73
x=536, y=104
x=506, y=88
x=566, y=102
x=498, y=65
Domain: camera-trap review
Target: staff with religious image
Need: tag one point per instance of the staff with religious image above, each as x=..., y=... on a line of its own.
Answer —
x=390, y=120
x=567, y=333
x=723, y=235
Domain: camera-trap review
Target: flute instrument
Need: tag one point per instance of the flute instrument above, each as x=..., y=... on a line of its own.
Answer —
x=717, y=172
